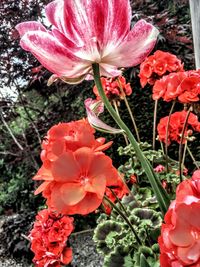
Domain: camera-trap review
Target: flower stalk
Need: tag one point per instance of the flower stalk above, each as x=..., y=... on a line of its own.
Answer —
x=159, y=191
x=125, y=219
x=181, y=144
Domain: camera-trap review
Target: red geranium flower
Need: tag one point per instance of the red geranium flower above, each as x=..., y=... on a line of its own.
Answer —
x=76, y=181
x=48, y=239
x=179, y=241
x=157, y=65
x=70, y=136
x=176, y=124
x=183, y=86
x=112, y=88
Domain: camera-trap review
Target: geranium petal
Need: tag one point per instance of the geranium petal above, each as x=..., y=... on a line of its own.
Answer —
x=137, y=45
x=84, y=156
x=53, y=55
x=65, y=168
x=100, y=166
x=28, y=26
x=41, y=188
x=72, y=193
x=43, y=174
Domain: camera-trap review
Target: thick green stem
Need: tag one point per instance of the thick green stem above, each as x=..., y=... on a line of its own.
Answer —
x=117, y=111
x=125, y=219
x=159, y=191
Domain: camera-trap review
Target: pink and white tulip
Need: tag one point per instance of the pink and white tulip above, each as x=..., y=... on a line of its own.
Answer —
x=85, y=32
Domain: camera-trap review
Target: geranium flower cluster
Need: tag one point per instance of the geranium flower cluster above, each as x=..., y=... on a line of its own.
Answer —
x=115, y=89
x=157, y=65
x=179, y=241
x=49, y=239
x=175, y=128
x=75, y=171
x=183, y=86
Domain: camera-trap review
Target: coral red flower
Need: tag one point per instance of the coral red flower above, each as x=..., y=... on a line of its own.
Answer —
x=76, y=181
x=179, y=241
x=157, y=65
x=176, y=124
x=115, y=89
x=48, y=239
x=84, y=33
x=183, y=86
x=70, y=136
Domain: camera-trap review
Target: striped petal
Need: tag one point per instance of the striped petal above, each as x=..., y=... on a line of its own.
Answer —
x=82, y=20
x=137, y=45
x=53, y=55
x=28, y=26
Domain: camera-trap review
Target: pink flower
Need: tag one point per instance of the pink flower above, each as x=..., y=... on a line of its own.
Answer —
x=86, y=32
x=179, y=241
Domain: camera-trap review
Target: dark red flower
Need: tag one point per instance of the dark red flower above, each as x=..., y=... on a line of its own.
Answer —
x=48, y=239
x=176, y=124
x=157, y=65
x=183, y=86
x=70, y=136
x=115, y=89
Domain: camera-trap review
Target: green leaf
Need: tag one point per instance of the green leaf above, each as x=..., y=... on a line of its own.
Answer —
x=143, y=261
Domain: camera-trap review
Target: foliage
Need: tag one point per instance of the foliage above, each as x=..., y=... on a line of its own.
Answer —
x=33, y=107
x=117, y=242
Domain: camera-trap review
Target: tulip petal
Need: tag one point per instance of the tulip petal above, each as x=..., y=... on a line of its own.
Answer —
x=136, y=46
x=108, y=20
x=95, y=122
x=53, y=55
x=65, y=168
x=28, y=26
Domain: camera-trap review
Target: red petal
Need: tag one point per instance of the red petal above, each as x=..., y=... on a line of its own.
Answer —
x=65, y=168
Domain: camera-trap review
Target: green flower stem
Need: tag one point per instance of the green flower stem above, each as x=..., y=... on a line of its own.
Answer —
x=118, y=200
x=167, y=134
x=161, y=195
x=129, y=111
x=181, y=143
x=193, y=158
x=124, y=217
x=154, y=123
x=117, y=111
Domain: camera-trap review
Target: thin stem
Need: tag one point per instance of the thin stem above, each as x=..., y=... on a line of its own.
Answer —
x=181, y=143
x=156, y=185
x=125, y=184
x=117, y=111
x=10, y=132
x=154, y=123
x=167, y=134
x=118, y=200
x=124, y=217
x=184, y=154
x=129, y=111
x=192, y=157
